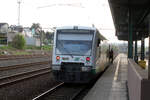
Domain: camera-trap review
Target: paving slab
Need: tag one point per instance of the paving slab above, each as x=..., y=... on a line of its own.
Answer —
x=112, y=85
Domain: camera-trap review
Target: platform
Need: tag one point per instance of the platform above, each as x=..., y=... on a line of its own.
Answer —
x=113, y=83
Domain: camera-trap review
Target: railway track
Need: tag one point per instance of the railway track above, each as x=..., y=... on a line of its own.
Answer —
x=13, y=57
x=23, y=65
x=66, y=91
x=7, y=80
x=15, y=73
x=62, y=92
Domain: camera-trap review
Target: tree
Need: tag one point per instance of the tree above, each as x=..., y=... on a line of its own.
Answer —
x=49, y=36
x=19, y=42
x=38, y=31
x=36, y=27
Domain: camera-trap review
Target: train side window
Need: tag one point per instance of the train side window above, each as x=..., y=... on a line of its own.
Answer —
x=98, y=42
x=99, y=48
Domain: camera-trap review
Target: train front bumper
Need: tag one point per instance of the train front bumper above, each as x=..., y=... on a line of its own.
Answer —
x=73, y=77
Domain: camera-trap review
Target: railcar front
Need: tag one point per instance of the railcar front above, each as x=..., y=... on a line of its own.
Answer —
x=73, y=57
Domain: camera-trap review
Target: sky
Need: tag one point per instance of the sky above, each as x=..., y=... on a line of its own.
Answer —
x=54, y=13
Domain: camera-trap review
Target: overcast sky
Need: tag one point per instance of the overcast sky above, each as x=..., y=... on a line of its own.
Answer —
x=50, y=13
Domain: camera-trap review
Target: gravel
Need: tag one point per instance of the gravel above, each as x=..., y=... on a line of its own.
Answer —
x=28, y=89
x=22, y=61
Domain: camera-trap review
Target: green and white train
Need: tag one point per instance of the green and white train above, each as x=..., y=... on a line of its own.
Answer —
x=79, y=54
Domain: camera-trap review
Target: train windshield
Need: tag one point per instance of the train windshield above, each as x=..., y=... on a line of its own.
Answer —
x=78, y=43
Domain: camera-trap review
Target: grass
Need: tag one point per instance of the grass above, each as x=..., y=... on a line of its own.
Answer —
x=14, y=51
x=21, y=53
x=5, y=47
x=47, y=47
x=32, y=47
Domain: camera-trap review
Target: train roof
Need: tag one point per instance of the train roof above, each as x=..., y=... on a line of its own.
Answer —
x=100, y=35
x=78, y=27
x=82, y=27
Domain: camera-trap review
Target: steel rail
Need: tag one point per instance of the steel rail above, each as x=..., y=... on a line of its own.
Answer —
x=39, y=97
x=55, y=89
x=23, y=65
x=33, y=55
x=13, y=57
x=77, y=93
x=22, y=76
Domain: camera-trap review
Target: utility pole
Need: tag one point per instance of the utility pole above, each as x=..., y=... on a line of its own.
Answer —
x=19, y=2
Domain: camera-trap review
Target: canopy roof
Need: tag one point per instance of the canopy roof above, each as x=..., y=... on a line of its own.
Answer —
x=139, y=11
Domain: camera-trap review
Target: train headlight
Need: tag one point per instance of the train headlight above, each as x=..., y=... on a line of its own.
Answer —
x=85, y=69
x=57, y=58
x=87, y=58
x=55, y=67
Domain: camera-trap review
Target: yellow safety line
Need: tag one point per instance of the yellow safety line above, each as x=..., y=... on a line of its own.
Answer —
x=117, y=70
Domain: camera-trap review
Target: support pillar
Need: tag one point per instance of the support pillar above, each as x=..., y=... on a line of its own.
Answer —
x=149, y=52
x=142, y=48
x=130, y=36
x=135, y=55
x=149, y=59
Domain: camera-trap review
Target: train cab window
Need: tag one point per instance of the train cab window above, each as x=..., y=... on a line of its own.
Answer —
x=98, y=42
x=74, y=43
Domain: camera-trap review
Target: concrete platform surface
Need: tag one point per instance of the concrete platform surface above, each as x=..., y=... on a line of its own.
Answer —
x=112, y=85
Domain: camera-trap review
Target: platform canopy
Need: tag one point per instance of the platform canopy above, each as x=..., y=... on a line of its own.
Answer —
x=139, y=10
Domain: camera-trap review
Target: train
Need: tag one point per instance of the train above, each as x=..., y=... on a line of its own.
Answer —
x=80, y=53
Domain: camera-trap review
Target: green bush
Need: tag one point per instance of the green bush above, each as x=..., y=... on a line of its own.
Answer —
x=19, y=42
x=46, y=47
